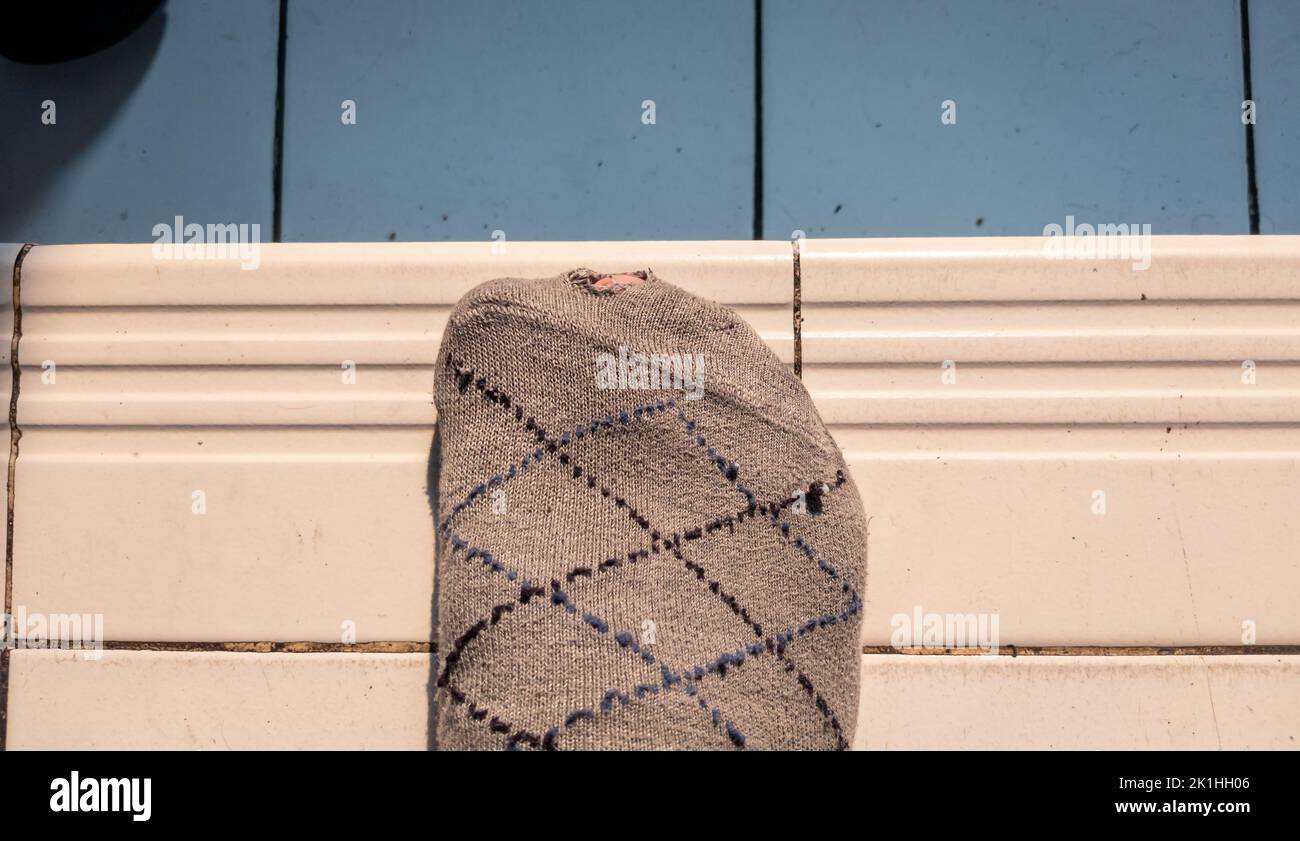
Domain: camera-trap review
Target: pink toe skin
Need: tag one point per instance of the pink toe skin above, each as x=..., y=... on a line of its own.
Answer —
x=617, y=280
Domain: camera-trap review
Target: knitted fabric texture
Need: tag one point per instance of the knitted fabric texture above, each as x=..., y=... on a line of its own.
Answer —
x=628, y=567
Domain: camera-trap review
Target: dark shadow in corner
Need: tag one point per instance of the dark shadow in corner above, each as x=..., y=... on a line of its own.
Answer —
x=93, y=89
x=431, y=490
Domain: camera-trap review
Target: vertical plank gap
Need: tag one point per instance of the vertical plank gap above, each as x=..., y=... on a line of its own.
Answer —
x=758, y=120
x=1252, y=186
x=277, y=172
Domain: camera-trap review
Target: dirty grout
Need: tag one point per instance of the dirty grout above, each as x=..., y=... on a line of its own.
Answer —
x=267, y=647
x=797, y=299
x=413, y=647
x=1091, y=650
x=15, y=435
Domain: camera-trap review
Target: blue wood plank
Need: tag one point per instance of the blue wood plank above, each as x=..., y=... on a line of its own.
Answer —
x=1108, y=111
x=521, y=117
x=177, y=119
x=1275, y=76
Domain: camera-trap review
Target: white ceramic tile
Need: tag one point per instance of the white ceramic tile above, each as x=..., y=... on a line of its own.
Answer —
x=138, y=700
x=1088, y=703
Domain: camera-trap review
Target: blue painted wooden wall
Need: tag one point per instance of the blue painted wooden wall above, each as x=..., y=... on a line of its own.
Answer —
x=533, y=119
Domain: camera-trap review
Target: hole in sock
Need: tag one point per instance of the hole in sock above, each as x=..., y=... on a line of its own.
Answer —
x=814, y=498
x=607, y=284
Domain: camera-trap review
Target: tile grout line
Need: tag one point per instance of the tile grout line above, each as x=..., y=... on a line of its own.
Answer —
x=1252, y=185
x=270, y=647
x=1092, y=651
x=798, y=309
x=414, y=647
x=15, y=435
